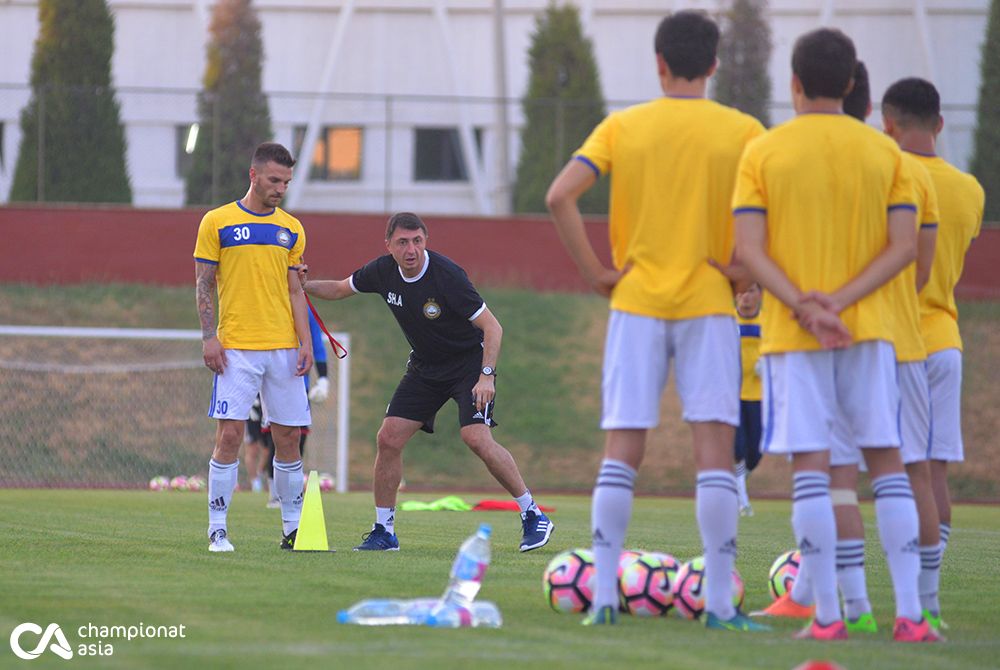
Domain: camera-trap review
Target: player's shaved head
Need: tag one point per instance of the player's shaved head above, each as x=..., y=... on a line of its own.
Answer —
x=858, y=101
x=913, y=103
x=271, y=152
x=406, y=221
x=688, y=41
x=824, y=60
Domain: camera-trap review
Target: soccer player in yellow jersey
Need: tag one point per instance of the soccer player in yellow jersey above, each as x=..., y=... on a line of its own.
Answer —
x=248, y=250
x=914, y=420
x=911, y=112
x=746, y=448
x=672, y=163
x=825, y=216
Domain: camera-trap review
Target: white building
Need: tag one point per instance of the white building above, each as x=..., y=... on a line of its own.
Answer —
x=399, y=95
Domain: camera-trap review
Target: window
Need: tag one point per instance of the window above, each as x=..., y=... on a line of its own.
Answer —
x=438, y=154
x=337, y=155
x=187, y=138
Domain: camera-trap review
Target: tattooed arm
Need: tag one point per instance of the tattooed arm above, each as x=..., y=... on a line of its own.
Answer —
x=211, y=349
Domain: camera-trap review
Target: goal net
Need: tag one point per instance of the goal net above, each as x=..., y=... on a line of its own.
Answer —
x=115, y=407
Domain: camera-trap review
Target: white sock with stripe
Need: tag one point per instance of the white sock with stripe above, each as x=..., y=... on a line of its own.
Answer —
x=816, y=534
x=387, y=517
x=288, y=484
x=930, y=578
x=851, y=577
x=611, y=510
x=898, y=528
x=221, y=484
x=717, y=513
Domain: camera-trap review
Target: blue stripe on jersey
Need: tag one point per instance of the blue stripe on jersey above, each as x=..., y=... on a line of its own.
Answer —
x=749, y=330
x=589, y=163
x=928, y=226
x=903, y=205
x=750, y=210
x=266, y=234
x=205, y=260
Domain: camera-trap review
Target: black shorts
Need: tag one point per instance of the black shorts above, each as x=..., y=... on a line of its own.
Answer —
x=747, y=446
x=420, y=395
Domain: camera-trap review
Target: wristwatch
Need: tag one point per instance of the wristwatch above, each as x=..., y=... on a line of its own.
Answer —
x=488, y=371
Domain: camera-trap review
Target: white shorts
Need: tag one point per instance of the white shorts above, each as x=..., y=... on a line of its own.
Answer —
x=637, y=353
x=944, y=378
x=270, y=373
x=806, y=391
x=914, y=420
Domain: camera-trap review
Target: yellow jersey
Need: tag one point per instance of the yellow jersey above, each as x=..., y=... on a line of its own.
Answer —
x=901, y=291
x=961, y=200
x=673, y=164
x=749, y=354
x=254, y=253
x=825, y=183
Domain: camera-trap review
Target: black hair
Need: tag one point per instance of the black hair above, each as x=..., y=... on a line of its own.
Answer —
x=913, y=102
x=688, y=41
x=823, y=60
x=856, y=102
x=272, y=152
x=406, y=221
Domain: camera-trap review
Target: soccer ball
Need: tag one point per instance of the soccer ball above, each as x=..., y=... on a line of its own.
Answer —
x=325, y=482
x=689, y=596
x=568, y=581
x=179, y=483
x=645, y=584
x=196, y=483
x=625, y=558
x=159, y=483
x=783, y=572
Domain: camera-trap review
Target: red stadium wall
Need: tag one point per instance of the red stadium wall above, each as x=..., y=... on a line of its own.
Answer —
x=62, y=245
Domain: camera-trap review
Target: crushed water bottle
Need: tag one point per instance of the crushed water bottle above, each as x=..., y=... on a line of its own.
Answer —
x=467, y=571
x=388, y=612
x=481, y=614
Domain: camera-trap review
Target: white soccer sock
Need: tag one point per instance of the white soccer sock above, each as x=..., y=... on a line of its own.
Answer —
x=945, y=529
x=741, y=483
x=930, y=577
x=610, y=511
x=288, y=483
x=716, y=509
x=898, y=528
x=387, y=517
x=851, y=577
x=816, y=533
x=802, y=586
x=221, y=484
x=526, y=503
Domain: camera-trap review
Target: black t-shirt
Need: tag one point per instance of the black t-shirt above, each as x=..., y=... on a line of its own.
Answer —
x=434, y=309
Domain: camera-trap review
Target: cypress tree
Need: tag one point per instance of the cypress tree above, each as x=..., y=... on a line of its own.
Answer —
x=742, y=80
x=562, y=106
x=232, y=109
x=986, y=159
x=72, y=122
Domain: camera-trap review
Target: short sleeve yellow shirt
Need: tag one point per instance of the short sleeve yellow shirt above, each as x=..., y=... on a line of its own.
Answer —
x=254, y=253
x=961, y=200
x=825, y=182
x=673, y=164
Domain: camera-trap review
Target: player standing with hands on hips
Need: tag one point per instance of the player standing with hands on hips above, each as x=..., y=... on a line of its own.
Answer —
x=248, y=249
x=455, y=342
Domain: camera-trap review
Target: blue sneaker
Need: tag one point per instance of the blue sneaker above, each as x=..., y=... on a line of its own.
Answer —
x=739, y=622
x=605, y=616
x=537, y=529
x=378, y=540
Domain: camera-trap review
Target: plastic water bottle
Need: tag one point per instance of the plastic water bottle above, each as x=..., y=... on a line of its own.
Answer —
x=388, y=612
x=482, y=614
x=468, y=569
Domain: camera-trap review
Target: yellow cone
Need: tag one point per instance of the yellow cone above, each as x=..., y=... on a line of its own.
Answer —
x=312, y=525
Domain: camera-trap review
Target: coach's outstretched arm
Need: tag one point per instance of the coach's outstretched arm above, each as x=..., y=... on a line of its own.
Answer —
x=485, y=389
x=328, y=289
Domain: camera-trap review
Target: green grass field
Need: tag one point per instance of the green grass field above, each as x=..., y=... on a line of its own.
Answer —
x=120, y=558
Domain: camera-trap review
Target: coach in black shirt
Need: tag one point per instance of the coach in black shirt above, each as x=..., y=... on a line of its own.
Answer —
x=455, y=342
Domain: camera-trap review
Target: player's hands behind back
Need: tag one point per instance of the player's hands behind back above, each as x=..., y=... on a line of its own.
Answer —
x=819, y=314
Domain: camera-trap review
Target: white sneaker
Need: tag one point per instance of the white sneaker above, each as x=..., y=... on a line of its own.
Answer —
x=746, y=509
x=218, y=541
x=256, y=485
x=273, y=503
